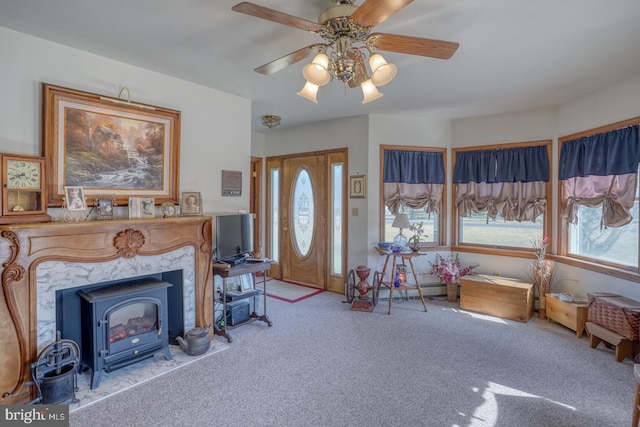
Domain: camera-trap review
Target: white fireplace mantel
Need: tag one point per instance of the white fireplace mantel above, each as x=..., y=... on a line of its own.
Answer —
x=34, y=256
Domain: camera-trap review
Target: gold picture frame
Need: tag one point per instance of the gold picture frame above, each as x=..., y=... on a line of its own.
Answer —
x=86, y=134
x=358, y=186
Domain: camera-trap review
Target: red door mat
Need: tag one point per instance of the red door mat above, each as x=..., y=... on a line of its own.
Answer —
x=288, y=291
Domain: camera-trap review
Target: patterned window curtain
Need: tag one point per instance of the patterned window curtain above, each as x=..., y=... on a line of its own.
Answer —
x=414, y=179
x=601, y=170
x=506, y=181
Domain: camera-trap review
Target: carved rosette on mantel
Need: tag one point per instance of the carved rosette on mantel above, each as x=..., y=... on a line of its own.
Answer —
x=128, y=242
x=29, y=245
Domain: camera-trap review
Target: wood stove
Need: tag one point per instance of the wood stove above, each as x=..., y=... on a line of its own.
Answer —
x=123, y=324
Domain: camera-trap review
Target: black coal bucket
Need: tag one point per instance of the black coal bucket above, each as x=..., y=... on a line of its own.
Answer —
x=58, y=388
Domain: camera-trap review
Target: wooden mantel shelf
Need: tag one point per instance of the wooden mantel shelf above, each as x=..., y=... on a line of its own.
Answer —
x=91, y=241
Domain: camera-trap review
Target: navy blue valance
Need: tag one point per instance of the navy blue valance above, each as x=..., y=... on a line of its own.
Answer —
x=615, y=152
x=413, y=167
x=521, y=164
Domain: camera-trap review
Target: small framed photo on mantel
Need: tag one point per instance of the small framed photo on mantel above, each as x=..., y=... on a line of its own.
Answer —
x=75, y=199
x=142, y=207
x=191, y=203
x=147, y=207
x=105, y=207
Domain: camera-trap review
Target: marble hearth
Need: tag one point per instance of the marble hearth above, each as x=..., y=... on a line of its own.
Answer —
x=40, y=259
x=54, y=276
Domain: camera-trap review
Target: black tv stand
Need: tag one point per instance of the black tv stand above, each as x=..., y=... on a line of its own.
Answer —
x=247, y=268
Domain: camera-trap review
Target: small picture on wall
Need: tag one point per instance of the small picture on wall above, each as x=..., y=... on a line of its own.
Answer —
x=358, y=186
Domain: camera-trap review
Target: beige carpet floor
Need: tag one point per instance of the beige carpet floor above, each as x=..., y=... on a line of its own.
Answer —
x=120, y=380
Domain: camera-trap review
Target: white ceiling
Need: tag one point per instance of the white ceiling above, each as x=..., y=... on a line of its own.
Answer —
x=513, y=54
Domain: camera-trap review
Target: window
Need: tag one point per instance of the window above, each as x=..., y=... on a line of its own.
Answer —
x=274, y=227
x=479, y=229
x=337, y=252
x=413, y=183
x=587, y=239
x=598, y=179
x=502, y=194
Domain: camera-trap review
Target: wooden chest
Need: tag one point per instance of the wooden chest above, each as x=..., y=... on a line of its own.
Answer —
x=569, y=314
x=497, y=296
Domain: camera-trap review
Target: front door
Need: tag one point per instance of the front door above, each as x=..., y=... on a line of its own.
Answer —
x=304, y=220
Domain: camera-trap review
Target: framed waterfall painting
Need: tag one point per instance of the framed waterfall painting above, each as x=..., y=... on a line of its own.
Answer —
x=109, y=146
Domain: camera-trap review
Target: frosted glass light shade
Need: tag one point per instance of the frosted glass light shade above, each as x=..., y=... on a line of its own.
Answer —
x=309, y=91
x=381, y=71
x=316, y=72
x=370, y=92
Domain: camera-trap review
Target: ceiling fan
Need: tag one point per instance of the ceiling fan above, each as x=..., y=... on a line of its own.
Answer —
x=347, y=30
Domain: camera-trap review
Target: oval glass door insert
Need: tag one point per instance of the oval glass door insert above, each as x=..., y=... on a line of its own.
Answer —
x=302, y=213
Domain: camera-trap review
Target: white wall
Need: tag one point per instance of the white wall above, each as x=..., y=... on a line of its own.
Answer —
x=611, y=104
x=608, y=105
x=350, y=133
x=215, y=128
x=363, y=136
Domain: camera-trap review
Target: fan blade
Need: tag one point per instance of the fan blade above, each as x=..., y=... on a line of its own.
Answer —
x=373, y=12
x=290, y=59
x=275, y=16
x=413, y=45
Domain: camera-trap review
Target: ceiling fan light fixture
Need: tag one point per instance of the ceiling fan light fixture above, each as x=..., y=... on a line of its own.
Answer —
x=310, y=92
x=316, y=72
x=370, y=92
x=381, y=71
x=321, y=59
x=346, y=29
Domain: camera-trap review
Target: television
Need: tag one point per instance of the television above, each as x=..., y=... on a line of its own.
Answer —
x=234, y=237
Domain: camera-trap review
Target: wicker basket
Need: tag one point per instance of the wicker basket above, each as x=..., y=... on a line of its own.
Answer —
x=616, y=313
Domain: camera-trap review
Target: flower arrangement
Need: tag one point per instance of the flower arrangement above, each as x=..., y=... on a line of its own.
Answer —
x=417, y=233
x=540, y=248
x=449, y=269
x=543, y=270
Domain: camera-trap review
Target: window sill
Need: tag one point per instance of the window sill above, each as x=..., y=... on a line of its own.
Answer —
x=598, y=268
x=579, y=263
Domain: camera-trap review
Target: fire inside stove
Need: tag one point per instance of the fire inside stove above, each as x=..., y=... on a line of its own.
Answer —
x=131, y=326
